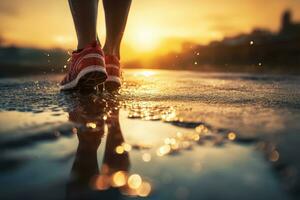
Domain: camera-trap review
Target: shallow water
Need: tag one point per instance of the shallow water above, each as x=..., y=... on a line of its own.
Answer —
x=167, y=135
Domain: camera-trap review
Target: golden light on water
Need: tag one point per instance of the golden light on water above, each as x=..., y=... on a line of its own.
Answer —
x=163, y=150
x=132, y=185
x=145, y=73
x=186, y=144
x=134, y=181
x=201, y=129
x=175, y=146
x=182, y=141
x=120, y=149
x=127, y=147
x=146, y=157
x=119, y=179
x=170, y=141
x=104, y=117
x=179, y=134
x=196, y=137
x=91, y=125
x=167, y=141
x=144, y=190
x=231, y=136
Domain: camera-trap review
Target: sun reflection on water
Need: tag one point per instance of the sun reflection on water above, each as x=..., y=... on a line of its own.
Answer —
x=145, y=73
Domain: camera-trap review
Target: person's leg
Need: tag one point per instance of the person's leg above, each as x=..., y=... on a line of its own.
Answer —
x=84, y=14
x=116, y=13
x=86, y=68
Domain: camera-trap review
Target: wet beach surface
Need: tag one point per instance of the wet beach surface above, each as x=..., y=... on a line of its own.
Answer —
x=167, y=135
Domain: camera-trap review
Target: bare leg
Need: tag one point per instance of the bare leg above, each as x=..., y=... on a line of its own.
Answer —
x=116, y=13
x=84, y=14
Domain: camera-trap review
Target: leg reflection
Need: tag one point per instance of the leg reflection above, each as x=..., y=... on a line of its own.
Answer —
x=115, y=161
x=86, y=181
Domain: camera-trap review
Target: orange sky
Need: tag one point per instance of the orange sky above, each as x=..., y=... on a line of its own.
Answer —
x=154, y=26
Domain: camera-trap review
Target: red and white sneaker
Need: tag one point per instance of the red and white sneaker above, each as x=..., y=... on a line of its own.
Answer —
x=113, y=81
x=86, y=69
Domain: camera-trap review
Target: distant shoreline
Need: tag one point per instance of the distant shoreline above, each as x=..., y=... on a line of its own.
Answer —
x=252, y=69
x=8, y=71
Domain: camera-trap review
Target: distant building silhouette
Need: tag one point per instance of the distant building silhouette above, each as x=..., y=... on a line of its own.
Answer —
x=288, y=27
x=261, y=49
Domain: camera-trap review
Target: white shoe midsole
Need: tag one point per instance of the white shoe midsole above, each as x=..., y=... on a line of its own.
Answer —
x=115, y=79
x=89, y=69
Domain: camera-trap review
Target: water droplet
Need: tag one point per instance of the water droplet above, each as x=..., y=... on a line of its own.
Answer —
x=91, y=125
x=231, y=136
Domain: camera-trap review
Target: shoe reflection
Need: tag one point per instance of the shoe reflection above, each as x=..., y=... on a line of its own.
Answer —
x=87, y=181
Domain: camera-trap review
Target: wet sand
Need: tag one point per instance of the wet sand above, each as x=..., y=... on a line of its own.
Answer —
x=167, y=135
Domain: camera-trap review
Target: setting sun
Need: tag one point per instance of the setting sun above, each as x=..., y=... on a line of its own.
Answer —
x=145, y=39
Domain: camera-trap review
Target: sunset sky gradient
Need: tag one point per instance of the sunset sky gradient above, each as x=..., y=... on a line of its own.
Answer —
x=154, y=26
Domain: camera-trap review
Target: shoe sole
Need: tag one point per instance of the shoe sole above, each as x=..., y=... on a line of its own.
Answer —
x=87, y=79
x=112, y=83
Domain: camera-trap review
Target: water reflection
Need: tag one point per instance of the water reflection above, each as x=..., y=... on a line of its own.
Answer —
x=87, y=181
x=98, y=117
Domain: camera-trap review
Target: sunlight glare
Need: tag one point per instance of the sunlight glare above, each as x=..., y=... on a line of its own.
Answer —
x=146, y=73
x=145, y=39
x=62, y=40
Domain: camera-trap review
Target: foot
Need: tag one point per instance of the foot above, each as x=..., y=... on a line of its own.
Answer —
x=86, y=69
x=113, y=81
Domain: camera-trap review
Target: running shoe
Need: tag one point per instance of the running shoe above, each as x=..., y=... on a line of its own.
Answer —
x=113, y=81
x=86, y=69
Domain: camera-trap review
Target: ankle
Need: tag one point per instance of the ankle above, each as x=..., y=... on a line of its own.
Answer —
x=111, y=51
x=83, y=44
